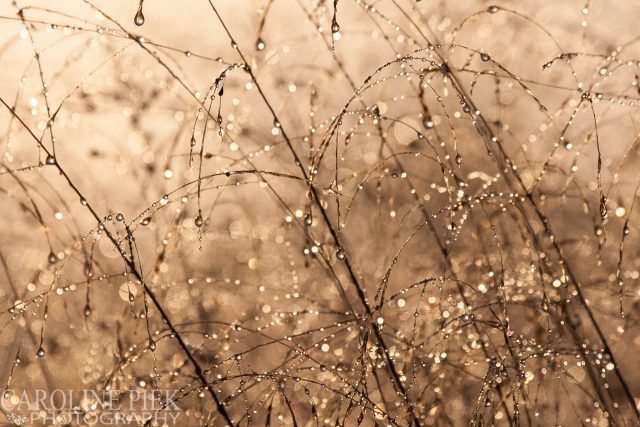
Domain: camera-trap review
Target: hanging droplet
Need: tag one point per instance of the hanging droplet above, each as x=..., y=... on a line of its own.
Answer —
x=145, y=221
x=52, y=258
x=308, y=219
x=458, y=159
x=484, y=57
x=139, y=18
x=152, y=344
x=50, y=160
x=603, y=207
x=493, y=9
x=88, y=270
x=40, y=352
x=335, y=27
x=340, y=254
x=87, y=310
x=260, y=44
x=198, y=221
x=119, y=217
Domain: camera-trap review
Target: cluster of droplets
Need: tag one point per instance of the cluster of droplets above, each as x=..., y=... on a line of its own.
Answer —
x=348, y=248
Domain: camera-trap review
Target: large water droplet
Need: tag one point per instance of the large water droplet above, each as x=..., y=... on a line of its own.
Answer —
x=603, y=207
x=139, y=18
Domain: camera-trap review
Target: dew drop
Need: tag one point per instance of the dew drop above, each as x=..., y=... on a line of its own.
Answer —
x=493, y=9
x=260, y=44
x=340, y=254
x=484, y=57
x=139, y=18
x=603, y=207
x=198, y=221
x=40, y=353
x=145, y=221
x=88, y=270
x=87, y=310
x=50, y=160
x=52, y=258
x=120, y=217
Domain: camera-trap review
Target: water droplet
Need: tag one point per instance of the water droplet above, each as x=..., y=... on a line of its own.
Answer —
x=603, y=207
x=119, y=217
x=260, y=44
x=340, y=254
x=484, y=57
x=40, y=352
x=139, y=18
x=52, y=258
x=50, y=160
x=145, y=221
x=87, y=310
x=152, y=344
x=198, y=221
x=493, y=9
